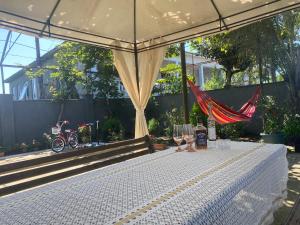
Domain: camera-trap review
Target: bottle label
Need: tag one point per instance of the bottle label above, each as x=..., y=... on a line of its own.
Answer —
x=201, y=139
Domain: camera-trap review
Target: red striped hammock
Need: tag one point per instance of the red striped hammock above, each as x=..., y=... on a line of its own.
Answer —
x=222, y=113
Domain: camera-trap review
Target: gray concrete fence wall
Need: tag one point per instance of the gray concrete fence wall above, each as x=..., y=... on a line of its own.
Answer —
x=23, y=121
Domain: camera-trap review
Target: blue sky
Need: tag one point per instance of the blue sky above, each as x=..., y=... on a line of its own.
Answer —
x=23, y=52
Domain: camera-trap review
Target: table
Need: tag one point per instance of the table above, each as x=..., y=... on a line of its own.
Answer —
x=240, y=185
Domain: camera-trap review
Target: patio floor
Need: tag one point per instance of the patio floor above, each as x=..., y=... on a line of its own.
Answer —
x=288, y=214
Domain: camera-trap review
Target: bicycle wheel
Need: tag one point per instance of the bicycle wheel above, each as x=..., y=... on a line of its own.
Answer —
x=58, y=144
x=73, y=140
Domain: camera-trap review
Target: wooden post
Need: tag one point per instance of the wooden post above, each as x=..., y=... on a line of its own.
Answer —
x=39, y=65
x=2, y=79
x=184, y=83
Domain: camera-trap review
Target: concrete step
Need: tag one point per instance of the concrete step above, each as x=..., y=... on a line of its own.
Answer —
x=38, y=169
x=30, y=173
x=4, y=168
x=36, y=180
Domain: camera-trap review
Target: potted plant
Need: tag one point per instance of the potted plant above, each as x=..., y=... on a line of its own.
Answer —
x=291, y=130
x=24, y=147
x=35, y=145
x=84, y=134
x=273, y=117
x=154, y=130
x=159, y=144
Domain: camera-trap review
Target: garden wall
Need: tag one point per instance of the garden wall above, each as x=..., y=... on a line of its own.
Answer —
x=23, y=121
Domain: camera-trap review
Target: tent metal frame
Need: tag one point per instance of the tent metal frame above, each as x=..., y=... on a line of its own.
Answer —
x=136, y=60
x=2, y=59
x=223, y=26
x=135, y=44
x=6, y=49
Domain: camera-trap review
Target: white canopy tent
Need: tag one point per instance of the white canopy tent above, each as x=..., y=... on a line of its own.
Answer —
x=135, y=26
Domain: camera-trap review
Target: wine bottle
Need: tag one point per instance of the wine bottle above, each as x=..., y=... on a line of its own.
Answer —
x=211, y=125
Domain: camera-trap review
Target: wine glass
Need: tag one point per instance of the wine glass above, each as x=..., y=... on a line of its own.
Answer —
x=188, y=135
x=177, y=136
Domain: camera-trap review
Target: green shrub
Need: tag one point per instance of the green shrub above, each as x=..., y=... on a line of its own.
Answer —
x=84, y=134
x=197, y=116
x=273, y=115
x=174, y=116
x=152, y=109
x=291, y=129
x=35, y=145
x=112, y=130
x=231, y=130
x=24, y=147
x=153, y=127
x=3, y=149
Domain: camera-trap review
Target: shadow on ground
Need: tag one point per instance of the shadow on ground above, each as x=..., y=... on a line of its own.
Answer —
x=282, y=215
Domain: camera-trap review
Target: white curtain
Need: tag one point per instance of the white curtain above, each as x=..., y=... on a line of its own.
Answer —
x=149, y=63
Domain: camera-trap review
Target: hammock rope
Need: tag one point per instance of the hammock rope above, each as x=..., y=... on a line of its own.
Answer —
x=222, y=113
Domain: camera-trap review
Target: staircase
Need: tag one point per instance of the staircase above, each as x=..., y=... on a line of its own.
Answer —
x=26, y=174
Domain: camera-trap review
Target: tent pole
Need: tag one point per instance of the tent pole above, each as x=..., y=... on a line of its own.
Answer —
x=135, y=48
x=50, y=17
x=136, y=68
x=184, y=83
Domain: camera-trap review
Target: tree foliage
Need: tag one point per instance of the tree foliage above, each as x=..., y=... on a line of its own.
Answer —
x=287, y=28
x=228, y=50
x=80, y=64
x=170, y=81
x=215, y=82
x=101, y=75
x=64, y=73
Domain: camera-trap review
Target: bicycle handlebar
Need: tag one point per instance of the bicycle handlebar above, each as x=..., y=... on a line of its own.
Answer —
x=61, y=123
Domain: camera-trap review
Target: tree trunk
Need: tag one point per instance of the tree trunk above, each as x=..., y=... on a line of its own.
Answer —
x=38, y=60
x=297, y=81
x=62, y=107
x=228, y=77
x=273, y=72
x=259, y=58
x=294, y=90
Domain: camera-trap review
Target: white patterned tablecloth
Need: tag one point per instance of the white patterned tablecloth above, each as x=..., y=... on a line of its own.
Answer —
x=240, y=185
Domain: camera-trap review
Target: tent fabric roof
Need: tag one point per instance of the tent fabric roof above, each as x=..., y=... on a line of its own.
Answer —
x=106, y=22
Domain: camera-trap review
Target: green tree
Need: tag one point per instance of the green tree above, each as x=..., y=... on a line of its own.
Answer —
x=260, y=39
x=170, y=81
x=101, y=81
x=227, y=49
x=287, y=28
x=64, y=71
x=215, y=82
x=74, y=65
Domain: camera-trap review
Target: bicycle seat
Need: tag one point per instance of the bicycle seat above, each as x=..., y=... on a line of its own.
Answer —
x=68, y=131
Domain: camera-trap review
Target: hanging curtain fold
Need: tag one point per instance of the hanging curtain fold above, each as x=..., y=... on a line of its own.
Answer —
x=222, y=113
x=149, y=63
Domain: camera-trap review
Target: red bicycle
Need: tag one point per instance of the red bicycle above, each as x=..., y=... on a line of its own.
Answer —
x=61, y=139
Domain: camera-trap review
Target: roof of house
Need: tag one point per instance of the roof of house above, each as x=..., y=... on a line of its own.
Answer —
x=21, y=72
